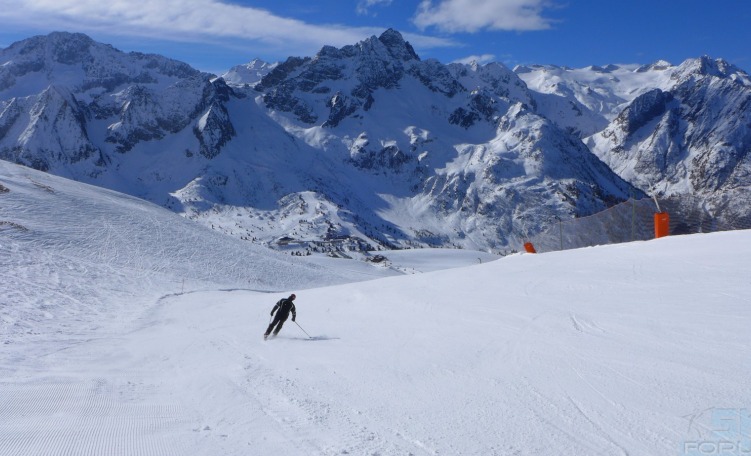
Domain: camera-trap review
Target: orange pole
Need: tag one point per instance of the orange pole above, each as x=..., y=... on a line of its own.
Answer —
x=662, y=224
x=529, y=247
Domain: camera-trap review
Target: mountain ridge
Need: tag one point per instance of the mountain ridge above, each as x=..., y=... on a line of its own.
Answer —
x=362, y=147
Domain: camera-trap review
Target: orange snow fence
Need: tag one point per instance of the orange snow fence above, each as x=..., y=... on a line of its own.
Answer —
x=662, y=224
x=529, y=247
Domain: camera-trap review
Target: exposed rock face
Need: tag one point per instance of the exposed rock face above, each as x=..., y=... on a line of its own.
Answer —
x=643, y=109
x=60, y=91
x=691, y=137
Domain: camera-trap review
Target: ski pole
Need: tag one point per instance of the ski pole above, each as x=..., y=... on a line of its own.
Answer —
x=306, y=333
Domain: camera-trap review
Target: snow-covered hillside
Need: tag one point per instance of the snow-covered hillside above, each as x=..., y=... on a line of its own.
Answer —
x=103, y=251
x=128, y=330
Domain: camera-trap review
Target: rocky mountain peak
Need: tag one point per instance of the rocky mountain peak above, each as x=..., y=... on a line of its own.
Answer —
x=62, y=47
x=59, y=56
x=397, y=46
x=706, y=66
x=249, y=73
x=658, y=65
x=343, y=80
x=644, y=108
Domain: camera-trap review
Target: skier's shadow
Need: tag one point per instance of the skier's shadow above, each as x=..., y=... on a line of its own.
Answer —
x=316, y=338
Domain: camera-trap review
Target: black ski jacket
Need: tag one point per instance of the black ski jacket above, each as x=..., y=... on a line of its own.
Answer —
x=284, y=306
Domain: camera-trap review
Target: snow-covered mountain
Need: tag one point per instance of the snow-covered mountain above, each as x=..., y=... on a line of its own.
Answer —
x=362, y=147
x=587, y=99
x=68, y=104
x=457, y=153
x=249, y=73
x=669, y=130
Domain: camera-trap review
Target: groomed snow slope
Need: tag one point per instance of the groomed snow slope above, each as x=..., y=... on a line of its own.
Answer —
x=622, y=349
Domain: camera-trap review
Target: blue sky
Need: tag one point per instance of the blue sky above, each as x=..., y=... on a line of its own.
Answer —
x=214, y=35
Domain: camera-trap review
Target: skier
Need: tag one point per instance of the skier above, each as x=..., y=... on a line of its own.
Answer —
x=282, y=309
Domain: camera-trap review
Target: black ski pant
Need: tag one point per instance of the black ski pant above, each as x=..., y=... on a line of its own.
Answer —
x=278, y=321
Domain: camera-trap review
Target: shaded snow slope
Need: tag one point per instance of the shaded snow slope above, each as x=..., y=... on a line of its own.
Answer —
x=622, y=349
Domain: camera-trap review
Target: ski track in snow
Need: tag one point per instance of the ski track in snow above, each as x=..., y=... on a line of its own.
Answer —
x=85, y=417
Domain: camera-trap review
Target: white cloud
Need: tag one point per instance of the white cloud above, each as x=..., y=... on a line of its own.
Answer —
x=480, y=59
x=192, y=21
x=177, y=17
x=475, y=15
x=363, y=6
